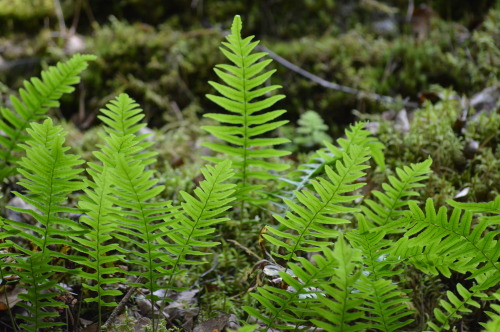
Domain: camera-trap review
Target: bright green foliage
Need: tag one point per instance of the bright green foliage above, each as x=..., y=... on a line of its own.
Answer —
x=294, y=305
x=340, y=301
x=397, y=194
x=312, y=130
x=384, y=303
x=454, y=239
x=242, y=130
x=309, y=220
x=355, y=135
x=121, y=116
x=490, y=208
x=37, y=97
x=49, y=176
x=494, y=324
x=201, y=213
x=454, y=308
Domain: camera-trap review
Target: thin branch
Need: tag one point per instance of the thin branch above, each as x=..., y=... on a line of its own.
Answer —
x=60, y=18
x=122, y=303
x=335, y=86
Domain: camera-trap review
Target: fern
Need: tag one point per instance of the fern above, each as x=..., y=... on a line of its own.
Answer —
x=49, y=177
x=340, y=303
x=121, y=116
x=37, y=97
x=355, y=135
x=243, y=129
x=311, y=130
x=199, y=215
x=464, y=247
x=310, y=220
x=294, y=303
x=454, y=308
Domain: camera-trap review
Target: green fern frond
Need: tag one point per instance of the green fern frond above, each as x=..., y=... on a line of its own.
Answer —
x=494, y=324
x=310, y=220
x=201, y=213
x=49, y=176
x=489, y=208
x=355, y=135
x=397, y=194
x=243, y=129
x=453, y=237
x=122, y=117
x=294, y=305
x=455, y=307
x=311, y=130
x=339, y=303
x=384, y=303
x=37, y=97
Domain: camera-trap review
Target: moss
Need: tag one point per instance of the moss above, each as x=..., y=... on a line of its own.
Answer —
x=433, y=132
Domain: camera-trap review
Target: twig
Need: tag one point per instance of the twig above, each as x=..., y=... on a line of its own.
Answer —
x=334, y=86
x=122, y=303
x=60, y=18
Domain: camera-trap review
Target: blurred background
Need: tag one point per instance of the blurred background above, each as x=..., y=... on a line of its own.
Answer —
x=162, y=51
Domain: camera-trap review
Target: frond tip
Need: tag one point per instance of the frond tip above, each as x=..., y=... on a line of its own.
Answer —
x=36, y=98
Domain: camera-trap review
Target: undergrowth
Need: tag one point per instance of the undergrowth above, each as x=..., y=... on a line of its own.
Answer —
x=333, y=252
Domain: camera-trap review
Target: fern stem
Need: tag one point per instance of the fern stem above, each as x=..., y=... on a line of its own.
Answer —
x=245, y=126
x=11, y=316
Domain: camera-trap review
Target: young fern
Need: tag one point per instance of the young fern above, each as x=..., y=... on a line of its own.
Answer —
x=122, y=116
x=199, y=214
x=355, y=135
x=36, y=98
x=49, y=177
x=465, y=248
x=310, y=220
x=294, y=305
x=242, y=130
x=375, y=223
x=340, y=304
